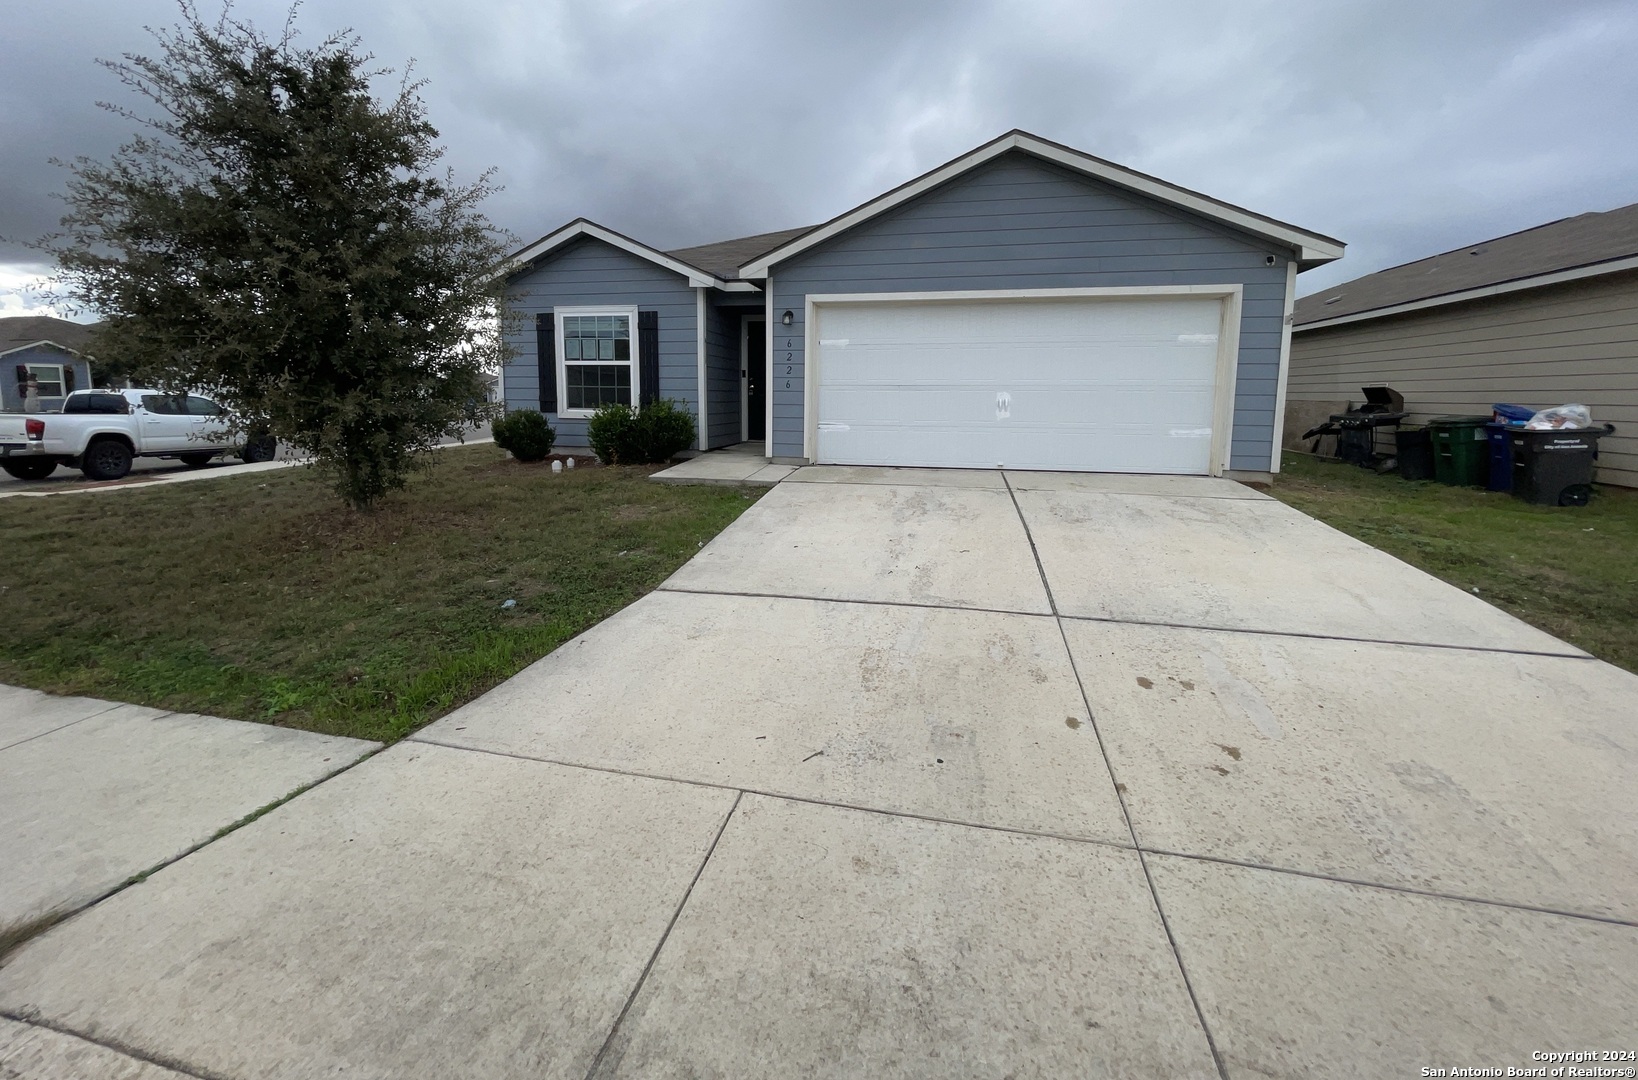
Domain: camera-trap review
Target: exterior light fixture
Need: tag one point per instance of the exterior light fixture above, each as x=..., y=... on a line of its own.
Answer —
x=787, y=318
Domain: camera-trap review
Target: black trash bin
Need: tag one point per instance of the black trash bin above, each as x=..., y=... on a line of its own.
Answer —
x=1501, y=457
x=1554, y=468
x=1414, y=448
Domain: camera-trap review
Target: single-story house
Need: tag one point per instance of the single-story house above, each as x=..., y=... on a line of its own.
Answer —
x=52, y=350
x=1025, y=305
x=1543, y=317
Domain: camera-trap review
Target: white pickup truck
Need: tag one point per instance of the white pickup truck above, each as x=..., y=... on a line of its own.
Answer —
x=100, y=432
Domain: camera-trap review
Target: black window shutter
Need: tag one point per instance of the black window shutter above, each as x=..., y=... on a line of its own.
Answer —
x=68, y=378
x=648, y=357
x=546, y=356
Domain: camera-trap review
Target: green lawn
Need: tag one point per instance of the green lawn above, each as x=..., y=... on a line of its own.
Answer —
x=263, y=598
x=1572, y=571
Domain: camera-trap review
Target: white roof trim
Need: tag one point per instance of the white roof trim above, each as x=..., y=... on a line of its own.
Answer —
x=44, y=341
x=1516, y=285
x=1310, y=247
x=581, y=227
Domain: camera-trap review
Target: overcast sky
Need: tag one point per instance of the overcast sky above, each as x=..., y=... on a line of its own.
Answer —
x=1403, y=128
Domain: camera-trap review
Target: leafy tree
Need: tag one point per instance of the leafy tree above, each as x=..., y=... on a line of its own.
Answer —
x=277, y=235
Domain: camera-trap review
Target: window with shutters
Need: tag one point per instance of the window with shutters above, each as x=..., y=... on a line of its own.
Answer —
x=53, y=384
x=597, y=359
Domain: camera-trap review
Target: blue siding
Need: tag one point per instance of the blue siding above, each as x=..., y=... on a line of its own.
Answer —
x=589, y=272
x=1020, y=223
x=11, y=400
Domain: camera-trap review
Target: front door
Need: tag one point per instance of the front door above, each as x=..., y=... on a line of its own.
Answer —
x=756, y=380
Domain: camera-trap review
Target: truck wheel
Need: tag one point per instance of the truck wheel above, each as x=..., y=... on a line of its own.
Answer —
x=261, y=448
x=30, y=468
x=106, y=459
x=195, y=460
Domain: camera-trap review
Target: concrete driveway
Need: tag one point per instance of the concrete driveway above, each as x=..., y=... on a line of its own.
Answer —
x=925, y=774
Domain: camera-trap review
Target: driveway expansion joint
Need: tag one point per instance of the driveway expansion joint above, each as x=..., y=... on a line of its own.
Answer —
x=64, y=727
x=51, y=921
x=1408, y=890
x=853, y=600
x=925, y=605
x=637, y=988
x=1329, y=637
x=113, y=1045
x=1126, y=813
x=782, y=796
x=1135, y=844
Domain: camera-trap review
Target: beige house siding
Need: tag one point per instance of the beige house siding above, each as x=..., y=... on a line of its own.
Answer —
x=1551, y=346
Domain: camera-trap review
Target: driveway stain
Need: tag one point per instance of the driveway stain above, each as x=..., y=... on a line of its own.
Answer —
x=1231, y=751
x=1147, y=684
x=1240, y=696
x=1072, y=723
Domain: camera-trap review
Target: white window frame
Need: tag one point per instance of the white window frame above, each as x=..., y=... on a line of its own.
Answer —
x=562, y=314
x=62, y=384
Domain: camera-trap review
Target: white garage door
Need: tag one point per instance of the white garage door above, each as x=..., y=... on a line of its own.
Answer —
x=1104, y=385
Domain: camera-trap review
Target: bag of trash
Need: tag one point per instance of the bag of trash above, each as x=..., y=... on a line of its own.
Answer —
x=1562, y=417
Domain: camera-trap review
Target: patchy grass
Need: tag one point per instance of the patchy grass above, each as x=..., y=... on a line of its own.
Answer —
x=1573, y=572
x=263, y=598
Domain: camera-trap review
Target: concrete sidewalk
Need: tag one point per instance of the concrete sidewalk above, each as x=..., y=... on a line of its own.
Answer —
x=743, y=463
x=920, y=774
x=94, y=793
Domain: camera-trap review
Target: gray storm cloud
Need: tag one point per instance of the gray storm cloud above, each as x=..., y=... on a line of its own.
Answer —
x=1402, y=128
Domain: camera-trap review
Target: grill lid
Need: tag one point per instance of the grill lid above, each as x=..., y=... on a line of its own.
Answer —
x=1381, y=399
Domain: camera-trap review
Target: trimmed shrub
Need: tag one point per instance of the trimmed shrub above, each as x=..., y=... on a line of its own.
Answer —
x=621, y=436
x=665, y=428
x=612, y=433
x=525, y=434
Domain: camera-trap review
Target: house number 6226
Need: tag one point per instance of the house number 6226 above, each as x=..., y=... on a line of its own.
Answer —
x=788, y=367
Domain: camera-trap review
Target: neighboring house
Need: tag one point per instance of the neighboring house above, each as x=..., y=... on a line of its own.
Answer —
x=52, y=350
x=1547, y=316
x=1024, y=305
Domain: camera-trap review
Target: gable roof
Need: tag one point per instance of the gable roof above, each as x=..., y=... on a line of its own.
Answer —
x=20, y=332
x=723, y=258
x=1563, y=250
x=1312, y=248
x=517, y=262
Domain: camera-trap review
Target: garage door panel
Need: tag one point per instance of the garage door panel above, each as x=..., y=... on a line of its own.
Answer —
x=942, y=445
x=1114, y=385
x=1101, y=364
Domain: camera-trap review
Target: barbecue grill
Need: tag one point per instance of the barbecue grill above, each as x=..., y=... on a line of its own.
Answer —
x=1356, y=429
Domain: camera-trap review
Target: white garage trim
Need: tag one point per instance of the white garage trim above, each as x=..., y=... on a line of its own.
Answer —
x=703, y=441
x=768, y=370
x=1228, y=344
x=1285, y=365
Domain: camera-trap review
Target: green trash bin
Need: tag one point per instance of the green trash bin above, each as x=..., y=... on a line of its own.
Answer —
x=1460, y=449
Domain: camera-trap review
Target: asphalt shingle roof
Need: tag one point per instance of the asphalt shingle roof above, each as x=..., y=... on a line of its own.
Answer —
x=725, y=257
x=27, y=329
x=1558, y=245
